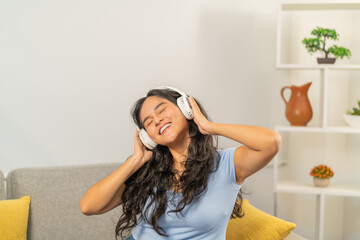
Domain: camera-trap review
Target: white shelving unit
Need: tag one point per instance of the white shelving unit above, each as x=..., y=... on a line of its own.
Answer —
x=294, y=187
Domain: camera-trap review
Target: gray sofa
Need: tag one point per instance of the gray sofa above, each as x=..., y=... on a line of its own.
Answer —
x=55, y=195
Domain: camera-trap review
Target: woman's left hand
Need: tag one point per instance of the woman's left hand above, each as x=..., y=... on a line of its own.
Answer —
x=204, y=125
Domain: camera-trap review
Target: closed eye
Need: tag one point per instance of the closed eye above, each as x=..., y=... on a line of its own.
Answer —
x=149, y=123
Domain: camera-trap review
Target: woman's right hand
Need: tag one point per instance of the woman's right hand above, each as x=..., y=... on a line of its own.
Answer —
x=141, y=154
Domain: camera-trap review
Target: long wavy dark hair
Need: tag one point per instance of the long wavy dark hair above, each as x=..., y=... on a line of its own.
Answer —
x=157, y=175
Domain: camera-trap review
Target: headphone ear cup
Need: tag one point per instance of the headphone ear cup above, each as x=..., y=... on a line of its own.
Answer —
x=146, y=140
x=185, y=107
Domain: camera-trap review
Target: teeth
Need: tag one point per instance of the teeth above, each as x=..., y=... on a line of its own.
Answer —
x=164, y=127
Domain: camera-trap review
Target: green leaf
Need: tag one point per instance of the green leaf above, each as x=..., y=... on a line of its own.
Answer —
x=325, y=32
x=312, y=44
x=339, y=51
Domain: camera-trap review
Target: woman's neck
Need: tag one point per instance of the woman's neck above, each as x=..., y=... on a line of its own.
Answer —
x=179, y=153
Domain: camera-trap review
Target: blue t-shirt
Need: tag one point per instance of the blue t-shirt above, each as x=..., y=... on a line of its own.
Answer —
x=206, y=218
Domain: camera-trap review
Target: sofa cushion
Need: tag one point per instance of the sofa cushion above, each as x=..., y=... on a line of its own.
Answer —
x=14, y=218
x=55, y=195
x=2, y=186
x=256, y=224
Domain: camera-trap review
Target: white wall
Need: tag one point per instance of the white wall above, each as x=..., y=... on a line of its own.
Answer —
x=70, y=72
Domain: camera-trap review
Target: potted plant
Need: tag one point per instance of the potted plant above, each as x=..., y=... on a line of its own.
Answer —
x=318, y=44
x=353, y=117
x=322, y=174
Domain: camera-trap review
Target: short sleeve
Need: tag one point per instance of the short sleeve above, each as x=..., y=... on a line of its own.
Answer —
x=227, y=164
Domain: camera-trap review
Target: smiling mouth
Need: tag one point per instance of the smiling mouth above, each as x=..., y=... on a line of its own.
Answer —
x=164, y=127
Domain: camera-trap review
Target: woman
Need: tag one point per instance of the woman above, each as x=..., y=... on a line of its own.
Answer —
x=184, y=188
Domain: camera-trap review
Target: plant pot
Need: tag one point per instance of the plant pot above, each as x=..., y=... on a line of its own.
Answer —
x=321, y=182
x=352, y=120
x=326, y=60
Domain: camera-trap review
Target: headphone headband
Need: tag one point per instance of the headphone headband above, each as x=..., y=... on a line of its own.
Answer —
x=172, y=88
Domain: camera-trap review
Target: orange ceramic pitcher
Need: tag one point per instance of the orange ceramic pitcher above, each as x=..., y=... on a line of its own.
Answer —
x=298, y=109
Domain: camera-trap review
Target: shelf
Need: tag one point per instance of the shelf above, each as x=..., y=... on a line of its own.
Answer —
x=335, y=129
x=290, y=15
x=312, y=5
x=320, y=5
x=319, y=66
x=347, y=190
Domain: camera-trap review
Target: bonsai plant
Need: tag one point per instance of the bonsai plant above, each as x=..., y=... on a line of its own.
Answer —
x=322, y=174
x=318, y=44
x=353, y=117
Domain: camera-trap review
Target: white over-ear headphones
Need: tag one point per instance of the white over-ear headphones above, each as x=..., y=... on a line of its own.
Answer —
x=185, y=108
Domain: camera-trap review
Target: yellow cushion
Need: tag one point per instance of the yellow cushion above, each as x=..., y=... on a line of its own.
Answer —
x=256, y=224
x=14, y=218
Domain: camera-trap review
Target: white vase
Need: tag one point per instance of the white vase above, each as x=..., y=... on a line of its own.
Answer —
x=352, y=120
x=321, y=182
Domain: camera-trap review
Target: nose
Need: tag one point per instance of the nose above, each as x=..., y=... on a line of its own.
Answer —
x=157, y=119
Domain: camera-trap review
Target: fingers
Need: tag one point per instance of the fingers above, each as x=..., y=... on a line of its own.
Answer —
x=191, y=101
x=137, y=137
x=137, y=140
x=198, y=115
x=193, y=104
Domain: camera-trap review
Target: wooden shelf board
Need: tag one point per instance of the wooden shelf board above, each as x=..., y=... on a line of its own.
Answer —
x=308, y=188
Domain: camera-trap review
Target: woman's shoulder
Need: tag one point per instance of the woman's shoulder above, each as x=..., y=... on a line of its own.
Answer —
x=225, y=156
x=226, y=152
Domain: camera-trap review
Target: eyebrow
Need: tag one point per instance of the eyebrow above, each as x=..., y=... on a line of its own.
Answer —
x=156, y=107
